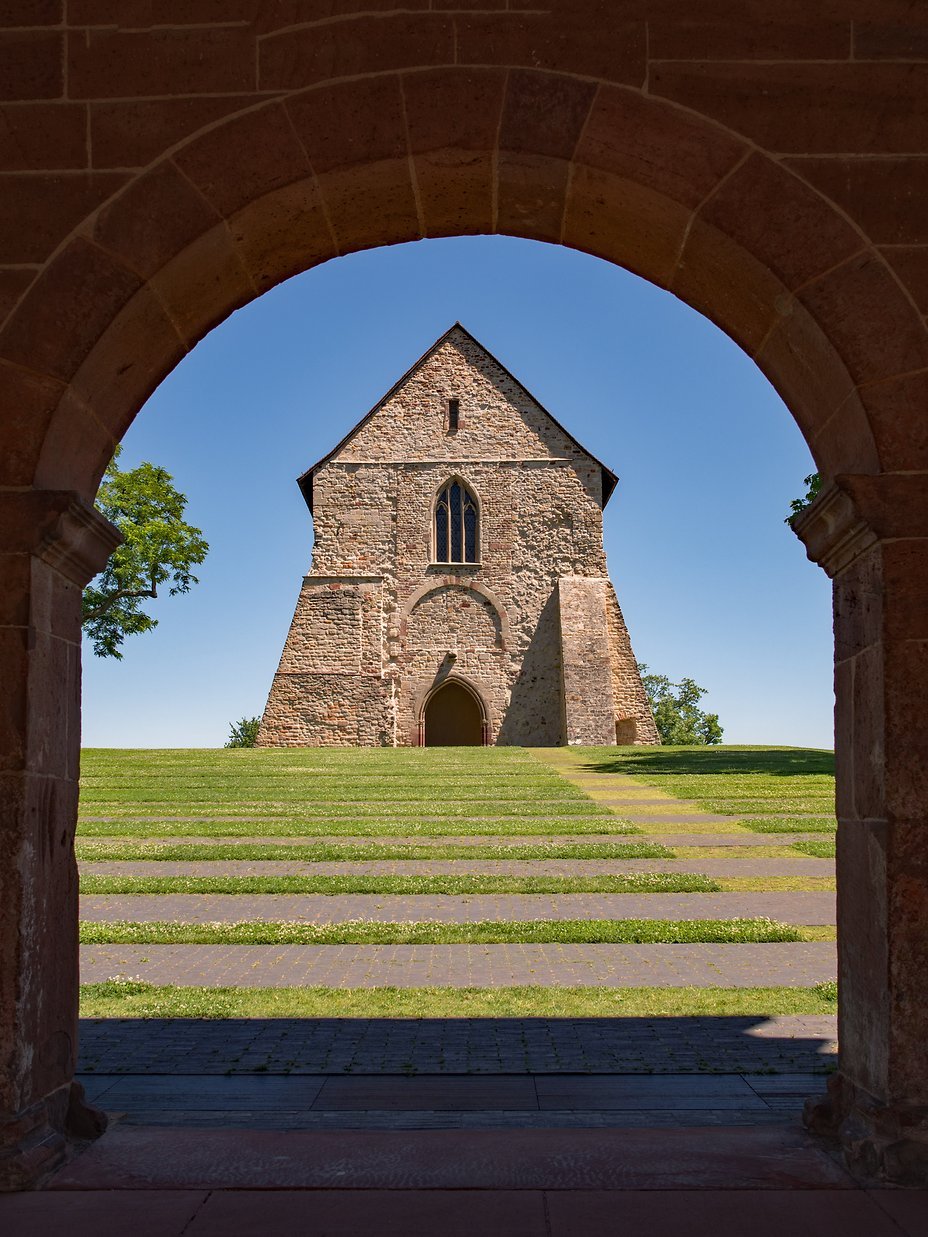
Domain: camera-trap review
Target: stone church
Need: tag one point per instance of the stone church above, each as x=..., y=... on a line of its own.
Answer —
x=458, y=592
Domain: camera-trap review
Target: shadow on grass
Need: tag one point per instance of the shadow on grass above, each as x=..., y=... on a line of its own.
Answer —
x=771, y=762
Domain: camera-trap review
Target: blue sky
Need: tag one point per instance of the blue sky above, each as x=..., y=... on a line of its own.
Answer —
x=712, y=582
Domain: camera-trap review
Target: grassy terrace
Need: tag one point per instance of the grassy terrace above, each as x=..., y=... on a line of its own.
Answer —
x=135, y=999
x=532, y=931
x=817, y=850
x=633, y=882
x=766, y=789
x=374, y=826
x=334, y=852
x=371, y=804
x=306, y=793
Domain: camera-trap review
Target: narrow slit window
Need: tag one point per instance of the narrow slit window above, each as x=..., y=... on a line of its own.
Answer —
x=454, y=415
x=456, y=525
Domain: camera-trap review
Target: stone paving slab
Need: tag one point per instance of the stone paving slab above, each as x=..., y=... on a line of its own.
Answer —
x=802, y=865
x=422, y=1092
x=794, y=1045
x=287, y=1119
x=798, y=908
x=794, y=964
x=766, y=1157
x=443, y=1101
x=657, y=1212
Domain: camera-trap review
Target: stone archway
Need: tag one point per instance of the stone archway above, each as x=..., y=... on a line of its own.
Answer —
x=163, y=176
x=453, y=716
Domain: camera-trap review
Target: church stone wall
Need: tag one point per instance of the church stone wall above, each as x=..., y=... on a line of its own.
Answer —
x=589, y=708
x=379, y=623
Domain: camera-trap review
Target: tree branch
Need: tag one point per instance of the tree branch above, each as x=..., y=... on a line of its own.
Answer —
x=107, y=605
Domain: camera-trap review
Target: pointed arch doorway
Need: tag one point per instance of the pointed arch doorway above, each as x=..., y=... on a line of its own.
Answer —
x=453, y=716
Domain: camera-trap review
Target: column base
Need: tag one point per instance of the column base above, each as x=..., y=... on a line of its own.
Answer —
x=880, y=1143
x=38, y=1140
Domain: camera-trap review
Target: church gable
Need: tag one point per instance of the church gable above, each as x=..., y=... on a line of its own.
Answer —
x=458, y=591
x=457, y=403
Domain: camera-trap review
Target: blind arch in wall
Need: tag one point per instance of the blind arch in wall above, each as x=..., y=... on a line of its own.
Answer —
x=457, y=524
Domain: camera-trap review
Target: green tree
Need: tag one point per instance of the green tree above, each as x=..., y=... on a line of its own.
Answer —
x=244, y=733
x=813, y=484
x=679, y=719
x=158, y=548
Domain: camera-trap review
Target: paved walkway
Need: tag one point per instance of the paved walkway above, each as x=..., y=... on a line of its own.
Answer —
x=587, y=1208
x=800, y=866
x=795, y=964
x=555, y=1160
x=445, y=1101
x=777, y=1046
x=798, y=908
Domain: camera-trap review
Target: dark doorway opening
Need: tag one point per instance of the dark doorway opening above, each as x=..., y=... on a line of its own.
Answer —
x=453, y=718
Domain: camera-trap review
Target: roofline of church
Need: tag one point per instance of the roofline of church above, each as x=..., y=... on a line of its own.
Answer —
x=305, y=480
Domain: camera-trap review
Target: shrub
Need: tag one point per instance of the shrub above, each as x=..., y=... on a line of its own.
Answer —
x=244, y=733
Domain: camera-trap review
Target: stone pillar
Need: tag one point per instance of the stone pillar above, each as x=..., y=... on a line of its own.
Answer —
x=871, y=535
x=51, y=544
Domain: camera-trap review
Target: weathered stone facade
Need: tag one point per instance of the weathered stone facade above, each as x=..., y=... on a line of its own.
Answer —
x=532, y=627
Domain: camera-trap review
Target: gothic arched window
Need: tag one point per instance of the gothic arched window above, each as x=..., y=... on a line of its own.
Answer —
x=455, y=525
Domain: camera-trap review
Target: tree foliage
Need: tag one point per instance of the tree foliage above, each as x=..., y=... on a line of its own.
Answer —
x=679, y=719
x=813, y=484
x=244, y=733
x=159, y=548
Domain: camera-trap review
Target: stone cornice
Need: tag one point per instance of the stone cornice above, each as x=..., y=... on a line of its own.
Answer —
x=58, y=527
x=855, y=512
x=832, y=530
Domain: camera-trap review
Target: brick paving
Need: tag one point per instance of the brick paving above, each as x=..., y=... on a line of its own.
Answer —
x=799, y=908
x=800, y=866
x=787, y=1044
x=793, y=964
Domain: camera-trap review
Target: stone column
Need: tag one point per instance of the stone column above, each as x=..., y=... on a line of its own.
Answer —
x=871, y=535
x=51, y=544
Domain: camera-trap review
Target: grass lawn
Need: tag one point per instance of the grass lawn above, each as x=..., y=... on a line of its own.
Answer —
x=819, y=850
x=789, y=824
x=633, y=882
x=750, y=784
x=776, y=884
x=332, y=852
x=782, y=850
x=533, y=931
x=307, y=793
x=375, y=826
x=134, y=999
x=135, y=803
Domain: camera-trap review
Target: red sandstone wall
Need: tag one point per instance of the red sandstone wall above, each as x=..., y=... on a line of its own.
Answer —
x=165, y=161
